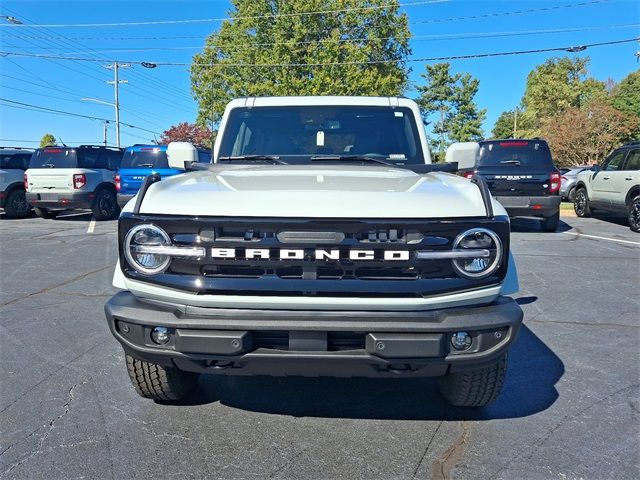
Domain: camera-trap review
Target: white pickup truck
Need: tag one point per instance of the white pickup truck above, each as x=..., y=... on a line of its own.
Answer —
x=321, y=242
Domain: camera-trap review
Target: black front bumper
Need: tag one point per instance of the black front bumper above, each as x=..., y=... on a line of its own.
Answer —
x=525, y=206
x=313, y=343
x=62, y=201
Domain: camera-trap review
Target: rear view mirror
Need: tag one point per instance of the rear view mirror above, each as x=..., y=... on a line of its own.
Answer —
x=464, y=154
x=181, y=155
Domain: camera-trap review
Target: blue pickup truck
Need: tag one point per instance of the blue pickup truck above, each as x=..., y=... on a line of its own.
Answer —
x=139, y=161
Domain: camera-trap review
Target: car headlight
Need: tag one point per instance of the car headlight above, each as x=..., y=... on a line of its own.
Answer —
x=139, y=252
x=489, y=248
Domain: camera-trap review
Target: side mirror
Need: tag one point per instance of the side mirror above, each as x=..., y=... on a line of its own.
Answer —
x=181, y=154
x=464, y=154
x=595, y=168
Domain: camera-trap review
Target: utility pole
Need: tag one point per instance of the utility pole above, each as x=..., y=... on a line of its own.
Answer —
x=515, y=122
x=116, y=81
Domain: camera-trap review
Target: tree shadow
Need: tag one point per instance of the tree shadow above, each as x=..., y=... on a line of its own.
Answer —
x=529, y=388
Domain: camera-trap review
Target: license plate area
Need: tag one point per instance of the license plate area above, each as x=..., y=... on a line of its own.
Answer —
x=48, y=197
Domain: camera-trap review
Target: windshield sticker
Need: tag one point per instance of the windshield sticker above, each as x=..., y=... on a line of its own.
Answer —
x=320, y=139
x=398, y=114
x=397, y=156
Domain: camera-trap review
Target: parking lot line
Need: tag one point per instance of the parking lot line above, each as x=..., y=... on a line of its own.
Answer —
x=92, y=226
x=602, y=238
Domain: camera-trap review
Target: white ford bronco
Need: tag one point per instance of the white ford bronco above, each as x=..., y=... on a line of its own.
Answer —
x=320, y=242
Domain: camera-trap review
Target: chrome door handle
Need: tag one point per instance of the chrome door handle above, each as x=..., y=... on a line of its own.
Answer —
x=628, y=178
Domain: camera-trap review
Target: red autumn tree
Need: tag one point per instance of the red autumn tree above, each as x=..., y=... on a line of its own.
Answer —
x=188, y=132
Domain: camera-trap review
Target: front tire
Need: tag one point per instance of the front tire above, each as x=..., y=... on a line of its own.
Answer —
x=634, y=214
x=45, y=213
x=16, y=205
x=550, y=224
x=105, y=206
x=159, y=383
x=572, y=194
x=474, y=388
x=581, y=203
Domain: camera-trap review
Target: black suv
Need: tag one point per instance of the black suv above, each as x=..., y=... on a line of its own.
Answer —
x=521, y=176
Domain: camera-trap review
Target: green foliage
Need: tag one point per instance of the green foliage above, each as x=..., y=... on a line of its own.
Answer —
x=626, y=95
x=223, y=70
x=47, y=140
x=559, y=84
x=447, y=103
x=526, y=125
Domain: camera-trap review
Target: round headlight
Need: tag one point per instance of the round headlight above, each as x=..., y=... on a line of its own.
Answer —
x=146, y=235
x=489, y=248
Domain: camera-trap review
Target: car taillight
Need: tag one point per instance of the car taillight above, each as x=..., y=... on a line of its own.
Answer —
x=26, y=183
x=116, y=180
x=554, y=185
x=79, y=180
x=468, y=174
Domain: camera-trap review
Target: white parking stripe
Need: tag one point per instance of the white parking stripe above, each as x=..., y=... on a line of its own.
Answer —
x=92, y=226
x=602, y=238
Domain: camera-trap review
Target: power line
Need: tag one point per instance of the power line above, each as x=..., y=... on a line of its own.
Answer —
x=83, y=142
x=28, y=106
x=449, y=36
x=573, y=49
x=248, y=17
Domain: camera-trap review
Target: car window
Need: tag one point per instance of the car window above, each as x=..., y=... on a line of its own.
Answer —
x=633, y=160
x=15, y=161
x=91, y=159
x=114, y=158
x=54, y=158
x=204, y=156
x=145, y=157
x=614, y=162
x=511, y=153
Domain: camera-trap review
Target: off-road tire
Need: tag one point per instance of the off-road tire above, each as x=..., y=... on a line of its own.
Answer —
x=15, y=205
x=581, y=203
x=572, y=194
x=158, y=382
x=550, y=224
x=45, y=213
x=633, y=210
x=474, y=388
x=105, y=206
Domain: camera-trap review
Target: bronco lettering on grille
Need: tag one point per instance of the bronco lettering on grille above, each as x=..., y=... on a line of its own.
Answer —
x=301, y=254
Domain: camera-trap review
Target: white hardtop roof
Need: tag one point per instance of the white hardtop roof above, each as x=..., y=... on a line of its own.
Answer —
x=321, y=100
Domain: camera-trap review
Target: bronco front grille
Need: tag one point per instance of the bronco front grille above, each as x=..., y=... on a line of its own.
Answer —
x=244, y=256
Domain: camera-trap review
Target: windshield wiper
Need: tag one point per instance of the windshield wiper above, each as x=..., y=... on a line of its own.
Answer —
x=268, y=158
x=49, y=165
x=511, y=162
x=146, y=165
x=350, y=158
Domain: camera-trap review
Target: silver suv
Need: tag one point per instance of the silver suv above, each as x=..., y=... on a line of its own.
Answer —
x=61, y=178
x=613, y=186
x=13, y=163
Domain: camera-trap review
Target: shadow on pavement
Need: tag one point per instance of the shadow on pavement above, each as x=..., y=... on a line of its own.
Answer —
x=534, y=225
x=529, y=388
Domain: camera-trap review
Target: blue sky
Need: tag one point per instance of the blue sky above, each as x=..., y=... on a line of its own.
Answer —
x=154, y=99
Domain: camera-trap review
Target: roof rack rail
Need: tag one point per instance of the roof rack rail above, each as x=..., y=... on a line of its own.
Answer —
x=629, y=144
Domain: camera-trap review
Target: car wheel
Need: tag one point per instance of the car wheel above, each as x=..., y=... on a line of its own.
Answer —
x=572, y=194
x=45, y=213
x=105, y=205
x=16, y=205
x=634, y=214
x=474, y=388
x=550, y=224
x=581, y=203
x=158, y=382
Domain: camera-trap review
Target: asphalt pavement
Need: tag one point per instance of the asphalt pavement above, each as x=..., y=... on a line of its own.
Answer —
x=570, y=407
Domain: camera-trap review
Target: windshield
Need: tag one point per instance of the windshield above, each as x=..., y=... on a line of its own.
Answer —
x=54, y=158
x=295, y=134
x=514, y=152
x=151, y=157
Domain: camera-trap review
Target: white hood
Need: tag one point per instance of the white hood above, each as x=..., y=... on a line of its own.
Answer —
x=314, y=192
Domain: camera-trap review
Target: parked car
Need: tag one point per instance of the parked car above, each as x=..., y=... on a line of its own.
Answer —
x=613, y=186
x=139, y=161
x=568, y=181
x=522, y=177
x=62, y=178
x=13, y=162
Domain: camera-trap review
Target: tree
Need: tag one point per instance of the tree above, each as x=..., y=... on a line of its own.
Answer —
x=525, y=125
x=626, y=95
x=47, y=140
x=267, y=46
x=447, y=102
x=583, y=136
x=559, y=84
x=188, y=132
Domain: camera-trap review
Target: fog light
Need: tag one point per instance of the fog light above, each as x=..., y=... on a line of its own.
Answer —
x=160, y=335
x=461, y=341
